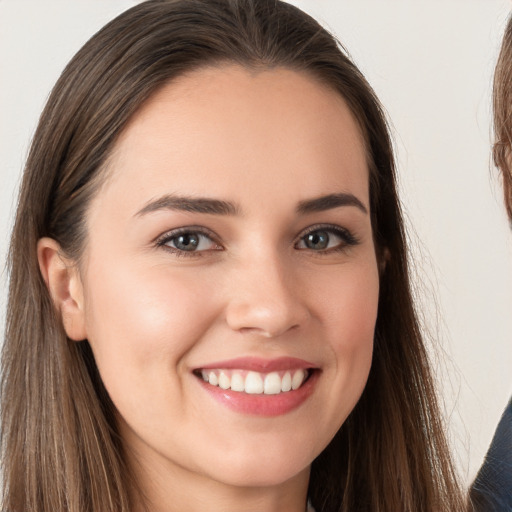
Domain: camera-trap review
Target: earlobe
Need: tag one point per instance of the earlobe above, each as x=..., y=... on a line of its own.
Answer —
x=507, y=192
x=385, y=256
x=64, y=284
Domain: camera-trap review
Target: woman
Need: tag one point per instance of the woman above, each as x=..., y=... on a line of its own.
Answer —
x=209, y=303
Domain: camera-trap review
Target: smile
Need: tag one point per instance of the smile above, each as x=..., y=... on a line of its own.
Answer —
x=261, y=387
x=256, y=383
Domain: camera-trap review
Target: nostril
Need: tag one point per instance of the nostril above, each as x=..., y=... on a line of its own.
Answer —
x=267, y=332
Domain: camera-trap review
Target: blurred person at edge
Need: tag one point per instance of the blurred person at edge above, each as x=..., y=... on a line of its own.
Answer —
x=492, y=489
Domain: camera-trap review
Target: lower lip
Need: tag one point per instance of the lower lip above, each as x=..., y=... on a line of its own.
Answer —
x=263, y=405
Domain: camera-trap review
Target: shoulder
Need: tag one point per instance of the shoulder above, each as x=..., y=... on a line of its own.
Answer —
x=492, y=489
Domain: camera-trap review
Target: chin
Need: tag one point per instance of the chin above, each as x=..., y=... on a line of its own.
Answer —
x=263, y=476
x=257, y=468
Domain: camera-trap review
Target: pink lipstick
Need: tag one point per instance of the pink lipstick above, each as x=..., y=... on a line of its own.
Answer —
x=266, y=387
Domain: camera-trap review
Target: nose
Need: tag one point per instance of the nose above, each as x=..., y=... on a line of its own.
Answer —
x=266, y=298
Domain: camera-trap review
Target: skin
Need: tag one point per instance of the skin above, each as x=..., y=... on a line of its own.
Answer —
x=264, y=142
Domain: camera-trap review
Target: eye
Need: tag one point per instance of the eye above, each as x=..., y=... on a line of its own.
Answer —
x=325, y=239
x=188, y=241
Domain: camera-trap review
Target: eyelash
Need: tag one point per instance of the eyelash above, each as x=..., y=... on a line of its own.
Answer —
x=348, y=240
x=168, y=237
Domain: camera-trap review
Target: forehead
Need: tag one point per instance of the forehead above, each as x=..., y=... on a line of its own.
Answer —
x=228, y=131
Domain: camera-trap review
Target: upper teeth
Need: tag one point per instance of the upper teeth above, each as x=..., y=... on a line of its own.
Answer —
x=256, y=383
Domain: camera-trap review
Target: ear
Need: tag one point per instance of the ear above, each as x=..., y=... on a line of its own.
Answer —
x=62, y=278
x=385, y=256
x=507, y=192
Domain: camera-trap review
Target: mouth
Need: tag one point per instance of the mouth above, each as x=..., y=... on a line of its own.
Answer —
x=253, y=382
x=259, y=387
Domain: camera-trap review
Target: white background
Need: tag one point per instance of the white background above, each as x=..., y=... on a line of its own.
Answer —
x=431, y=64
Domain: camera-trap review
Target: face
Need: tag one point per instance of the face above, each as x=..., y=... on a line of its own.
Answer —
x=230, y=281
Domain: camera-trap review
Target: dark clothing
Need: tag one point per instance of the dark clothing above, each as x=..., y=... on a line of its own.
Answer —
x=492, y=489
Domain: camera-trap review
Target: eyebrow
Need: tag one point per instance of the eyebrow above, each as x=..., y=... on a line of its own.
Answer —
x=328, y=202
x=218, y=207
x=189, y=204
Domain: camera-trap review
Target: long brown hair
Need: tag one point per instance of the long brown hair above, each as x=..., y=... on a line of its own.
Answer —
x=60, y=444
x=502, y=109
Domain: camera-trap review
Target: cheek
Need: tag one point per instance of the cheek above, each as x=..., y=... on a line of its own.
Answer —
x=349, y=313
x=359, y=308
x=142, y=322
x=349, y=309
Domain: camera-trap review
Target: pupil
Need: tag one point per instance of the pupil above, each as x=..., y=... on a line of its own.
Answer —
x=187, y=242
x=317, y=240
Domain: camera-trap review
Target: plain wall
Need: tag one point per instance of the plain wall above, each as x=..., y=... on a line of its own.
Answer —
x=431, y=64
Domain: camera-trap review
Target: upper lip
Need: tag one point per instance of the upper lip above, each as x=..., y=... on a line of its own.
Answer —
x=262, y=365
